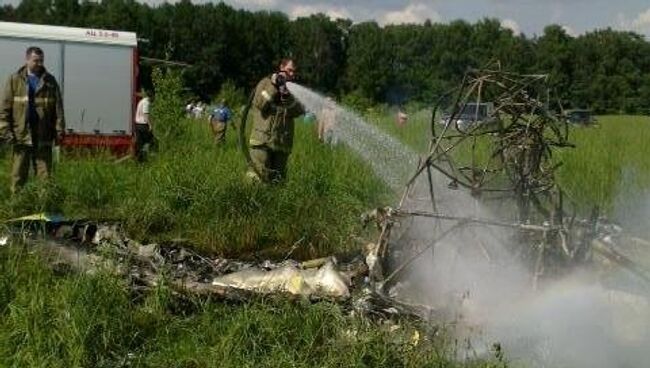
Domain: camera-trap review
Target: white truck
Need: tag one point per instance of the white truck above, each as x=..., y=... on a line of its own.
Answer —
x=97, y=71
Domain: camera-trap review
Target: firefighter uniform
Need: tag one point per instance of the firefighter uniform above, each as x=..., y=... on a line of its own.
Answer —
x=271, y=138
x=31, y=130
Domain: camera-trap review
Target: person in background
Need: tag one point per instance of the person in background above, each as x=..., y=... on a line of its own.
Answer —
x=274, y=110
x=189, y=108
x=327, y=123
x=143, y=126
x=219, y=118
x=31, y=118
x=402, y=118
x=198, y=110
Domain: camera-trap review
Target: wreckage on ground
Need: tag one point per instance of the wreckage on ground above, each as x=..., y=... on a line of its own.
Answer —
x=89, y=246
x=487, y=192
x=484, y=190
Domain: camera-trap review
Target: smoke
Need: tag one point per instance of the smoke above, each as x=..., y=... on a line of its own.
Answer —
x=475, y=278
x=575, y=323
x=632, y=204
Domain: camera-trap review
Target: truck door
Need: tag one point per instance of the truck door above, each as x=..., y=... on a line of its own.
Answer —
x=98, y=93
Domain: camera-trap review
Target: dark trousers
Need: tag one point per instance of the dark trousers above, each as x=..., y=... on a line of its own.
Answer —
x=270, y=164
x=24, y=157
x=143, y=136
x=218, y=130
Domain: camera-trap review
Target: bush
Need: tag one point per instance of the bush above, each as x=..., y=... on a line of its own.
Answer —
x=357, y=101
x=167, y=108
x=234, y=97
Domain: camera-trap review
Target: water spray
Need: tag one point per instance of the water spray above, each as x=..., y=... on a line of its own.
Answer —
x=489, y=243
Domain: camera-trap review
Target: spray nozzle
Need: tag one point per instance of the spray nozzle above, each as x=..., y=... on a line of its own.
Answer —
x=279, y=79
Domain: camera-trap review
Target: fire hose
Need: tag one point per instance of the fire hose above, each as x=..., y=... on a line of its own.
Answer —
x=243, y=144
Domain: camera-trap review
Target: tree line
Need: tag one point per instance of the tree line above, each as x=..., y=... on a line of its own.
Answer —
x=606, y=70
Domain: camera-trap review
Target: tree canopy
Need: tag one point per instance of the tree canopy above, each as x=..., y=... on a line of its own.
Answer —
x=607, y=70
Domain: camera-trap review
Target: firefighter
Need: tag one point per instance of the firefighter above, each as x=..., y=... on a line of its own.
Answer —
x=274, y=111
x=31, y=118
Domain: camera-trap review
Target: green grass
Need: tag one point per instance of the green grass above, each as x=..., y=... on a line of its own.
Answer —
x=53, y=320
x=194, y=190
x=191, y=189
x=608, y=162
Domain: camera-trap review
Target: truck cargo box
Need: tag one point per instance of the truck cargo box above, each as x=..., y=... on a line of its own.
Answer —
x=97, y=72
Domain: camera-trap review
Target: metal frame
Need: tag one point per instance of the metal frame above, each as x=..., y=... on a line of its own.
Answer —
x=520, y=145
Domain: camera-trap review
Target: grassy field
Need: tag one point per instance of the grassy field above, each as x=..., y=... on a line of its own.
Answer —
x=50, y=320
x=608, y=164
x=196, y=191
x=193, y=190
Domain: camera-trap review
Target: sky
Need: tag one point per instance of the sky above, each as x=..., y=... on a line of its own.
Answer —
x=527, y=16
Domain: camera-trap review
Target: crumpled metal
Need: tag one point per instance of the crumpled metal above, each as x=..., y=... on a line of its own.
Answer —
x=325, y=281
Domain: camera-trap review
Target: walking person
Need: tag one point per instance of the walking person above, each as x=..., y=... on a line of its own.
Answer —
x=327, y=123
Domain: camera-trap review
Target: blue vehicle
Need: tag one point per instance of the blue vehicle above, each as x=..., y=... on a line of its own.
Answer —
x=580, y=117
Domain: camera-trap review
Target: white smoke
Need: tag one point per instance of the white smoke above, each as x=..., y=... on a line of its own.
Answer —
x=474, y=275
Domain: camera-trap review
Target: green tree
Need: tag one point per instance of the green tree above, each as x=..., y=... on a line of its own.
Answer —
x=319, y=50
x=605, y=69
x=368, y=61
x=555, y=57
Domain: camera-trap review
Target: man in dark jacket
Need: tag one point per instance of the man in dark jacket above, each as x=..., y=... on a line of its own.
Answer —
x=274, y=111
x=31, y=118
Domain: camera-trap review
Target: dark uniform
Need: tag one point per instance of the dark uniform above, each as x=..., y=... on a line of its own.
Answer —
x=32, y=131
x=271, y=138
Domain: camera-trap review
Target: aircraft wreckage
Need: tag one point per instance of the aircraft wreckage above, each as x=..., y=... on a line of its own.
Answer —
x=486, y=187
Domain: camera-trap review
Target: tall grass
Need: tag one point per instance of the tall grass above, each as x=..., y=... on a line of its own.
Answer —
x=609, y=160
x=53, y=320
x=194, y=190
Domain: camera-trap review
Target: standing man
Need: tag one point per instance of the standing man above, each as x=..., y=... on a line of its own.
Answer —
x=274, y=111
x=219, y=118
x=143, y=127
x=31, y=118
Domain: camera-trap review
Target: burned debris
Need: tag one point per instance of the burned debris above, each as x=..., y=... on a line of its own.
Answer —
x=487, y=186
x=89, y=246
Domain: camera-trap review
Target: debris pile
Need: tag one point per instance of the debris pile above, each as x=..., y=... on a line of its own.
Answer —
x=88, y=246
x=486, y=191
x=504, y=158
x=325, y=281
